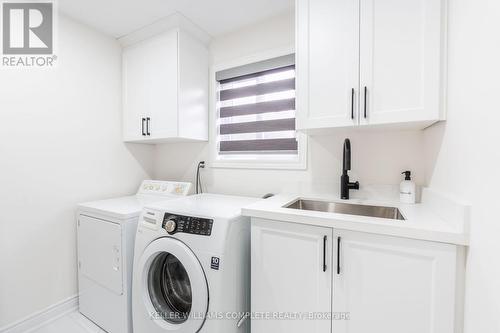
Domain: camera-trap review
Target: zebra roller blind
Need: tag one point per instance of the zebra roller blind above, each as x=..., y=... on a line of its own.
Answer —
x=256, y=108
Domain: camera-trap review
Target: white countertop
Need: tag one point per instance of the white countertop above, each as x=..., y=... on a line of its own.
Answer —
x=421, y=221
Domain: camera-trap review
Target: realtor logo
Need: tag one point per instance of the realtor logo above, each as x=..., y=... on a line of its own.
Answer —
x=28, y=29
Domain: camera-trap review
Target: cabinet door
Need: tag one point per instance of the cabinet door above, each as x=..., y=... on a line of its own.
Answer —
x=134, y=110
x=393, y=285
x=327, y=33
x=150, y=87
x=291, y=277
x=400, y=60
x=164, y=95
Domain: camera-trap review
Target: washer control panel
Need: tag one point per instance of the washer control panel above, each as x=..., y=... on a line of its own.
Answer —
x=187, y=224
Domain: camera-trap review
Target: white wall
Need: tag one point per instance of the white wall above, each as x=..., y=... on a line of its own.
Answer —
x=463, y=155
x=377, y=157
x=60, y=144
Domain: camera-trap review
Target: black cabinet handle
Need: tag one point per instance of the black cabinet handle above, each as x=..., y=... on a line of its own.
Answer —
x=366, y=93
x=338, y=255
x=352, y=103
x=324, y=254
x=142, y=126
x=147, y=126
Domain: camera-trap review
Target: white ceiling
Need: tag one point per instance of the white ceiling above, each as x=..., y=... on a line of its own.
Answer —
x=120, y=17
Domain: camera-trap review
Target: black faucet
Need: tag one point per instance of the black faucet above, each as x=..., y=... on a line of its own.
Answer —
x=345, y=185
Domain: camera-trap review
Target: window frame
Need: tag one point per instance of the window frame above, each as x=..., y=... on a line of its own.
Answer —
x=300, y=163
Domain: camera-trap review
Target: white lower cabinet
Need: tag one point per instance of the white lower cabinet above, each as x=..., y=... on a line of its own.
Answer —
x=291, y=277
x=392, y=285
x=371, y=283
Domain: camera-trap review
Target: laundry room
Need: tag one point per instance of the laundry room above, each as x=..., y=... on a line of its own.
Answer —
x=236, y=166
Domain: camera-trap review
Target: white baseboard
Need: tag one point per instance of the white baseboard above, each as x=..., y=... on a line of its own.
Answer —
x=43, y=317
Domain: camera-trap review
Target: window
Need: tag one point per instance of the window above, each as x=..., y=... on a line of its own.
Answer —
x=256, y=114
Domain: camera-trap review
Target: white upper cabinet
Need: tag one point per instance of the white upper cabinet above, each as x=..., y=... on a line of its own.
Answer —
x=165, y=89
x=370, y=62
x=327, y=63
x=400, y=59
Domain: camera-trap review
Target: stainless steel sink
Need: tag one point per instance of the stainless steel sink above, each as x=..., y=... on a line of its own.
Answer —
x=345, y=208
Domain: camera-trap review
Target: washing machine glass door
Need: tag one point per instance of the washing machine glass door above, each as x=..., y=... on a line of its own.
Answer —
x=175, y=290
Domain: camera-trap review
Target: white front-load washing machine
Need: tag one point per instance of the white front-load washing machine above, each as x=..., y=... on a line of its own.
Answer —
x=192, y=266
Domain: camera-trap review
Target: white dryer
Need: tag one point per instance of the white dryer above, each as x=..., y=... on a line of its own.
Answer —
x=106, y=235
x=192, y=266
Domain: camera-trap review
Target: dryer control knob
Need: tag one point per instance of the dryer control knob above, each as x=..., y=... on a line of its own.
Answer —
x=170, y=226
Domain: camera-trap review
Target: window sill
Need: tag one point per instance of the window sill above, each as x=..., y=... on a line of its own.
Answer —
x=298, y=163
x=267, y=165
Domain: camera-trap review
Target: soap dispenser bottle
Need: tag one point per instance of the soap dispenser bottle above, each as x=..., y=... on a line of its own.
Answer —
x=407, y=189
